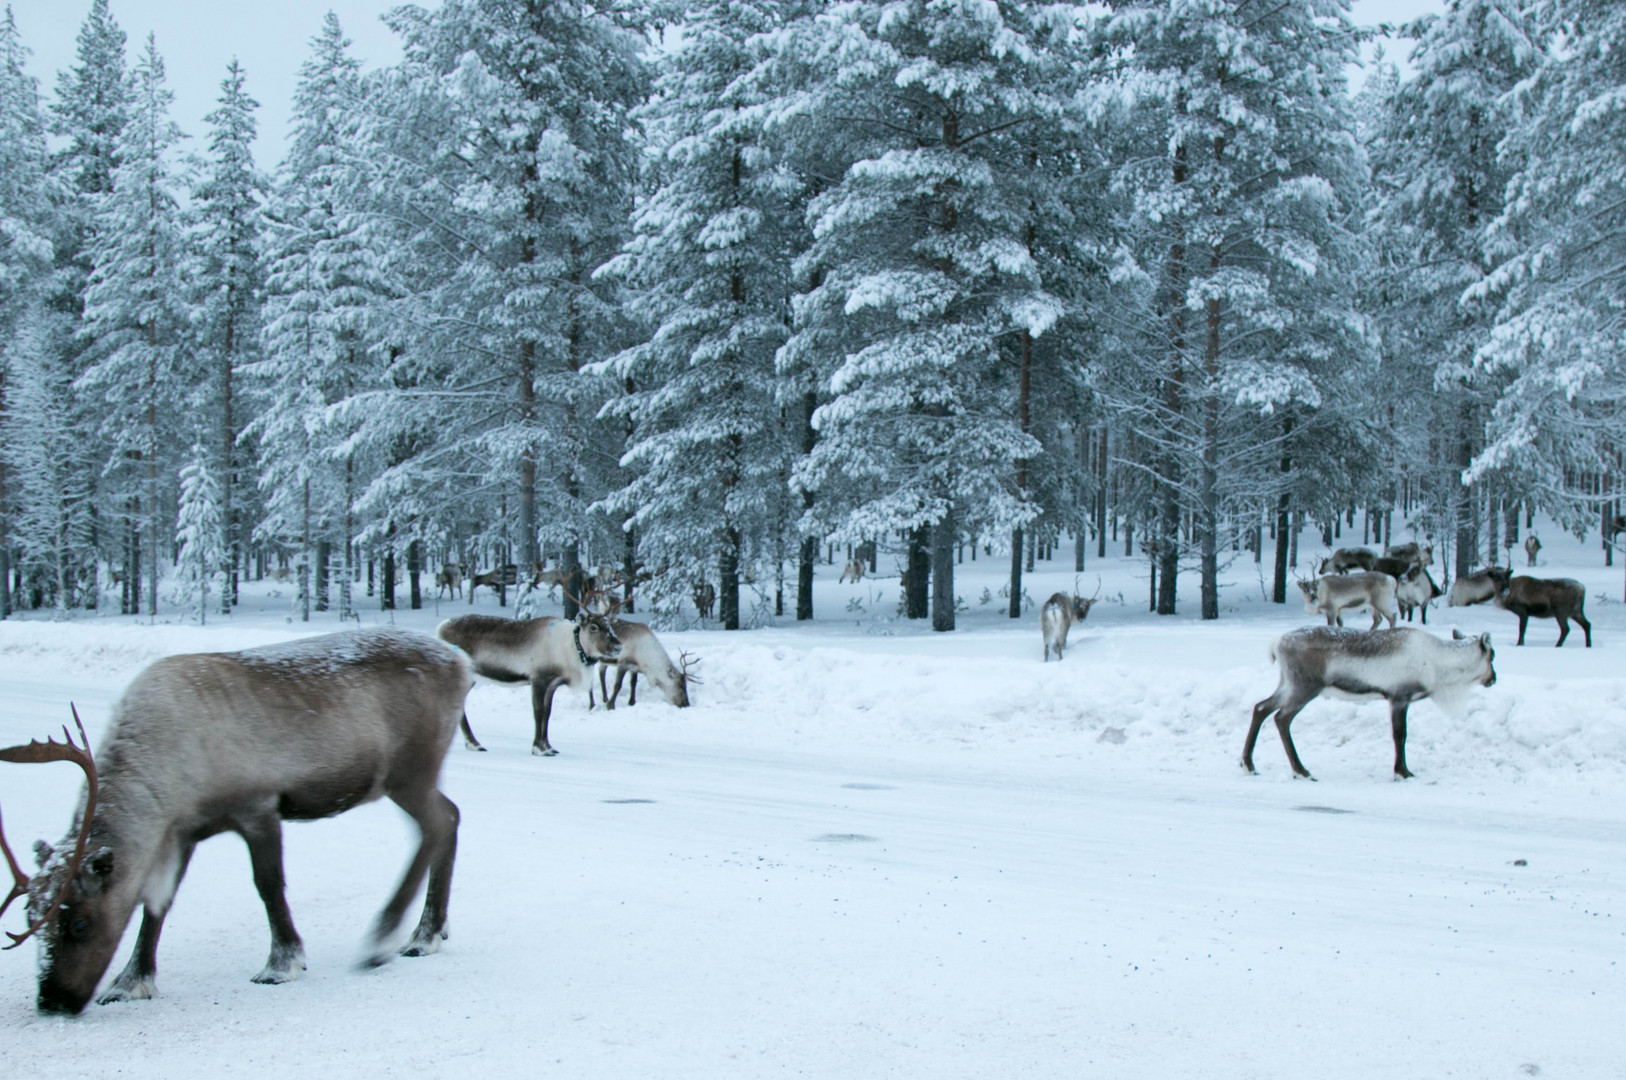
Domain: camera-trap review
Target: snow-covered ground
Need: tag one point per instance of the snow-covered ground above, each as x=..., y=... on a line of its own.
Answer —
x=871, y=851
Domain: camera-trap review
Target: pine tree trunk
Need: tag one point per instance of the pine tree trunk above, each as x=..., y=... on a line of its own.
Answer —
x=1462, y=503
x=305, y=554
x=943, y=537
x=916, y=599
x=1278, y=592
x=728, y=580
x=414, y=568
x=804, y=577
x=1015, y=608
x=529, y=552
x=324, y=557
x=629, y=566
x=1209, y=528
x=573, y=578
x=387, y=589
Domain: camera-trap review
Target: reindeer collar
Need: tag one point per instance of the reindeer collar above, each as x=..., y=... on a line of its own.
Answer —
x=581, y=653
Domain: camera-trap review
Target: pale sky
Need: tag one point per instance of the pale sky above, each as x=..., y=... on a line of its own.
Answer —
x=198, y=38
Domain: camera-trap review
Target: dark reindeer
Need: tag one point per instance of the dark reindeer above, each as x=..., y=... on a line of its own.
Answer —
x=1346, y=559
x=1060, y=613
x=1532, y=548
x=547, y=653
x=1400, y=666
x=1545, y=598
x=241, y=742
x=705, y=597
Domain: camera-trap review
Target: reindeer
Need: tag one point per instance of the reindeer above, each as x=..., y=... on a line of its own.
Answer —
x=1401, y=666
x=854, y=569
x=1060, y=612
x=1345, y=559
x=705, y=596
x=1545, y=598
x=241, y=742
x=449, y=579
x=1337, y=593
x=547, y=653
x=1411, y=552
x=1532, y=546
x=1478, y=588
x=642, y=654
x=1414, y=591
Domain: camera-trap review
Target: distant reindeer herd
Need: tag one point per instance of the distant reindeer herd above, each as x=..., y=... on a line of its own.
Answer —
x=241, y=742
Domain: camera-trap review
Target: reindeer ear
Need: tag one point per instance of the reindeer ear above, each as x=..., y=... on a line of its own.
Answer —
x=42, y=853
x=100, y=862
x=1484, y=641
x=1457, y=635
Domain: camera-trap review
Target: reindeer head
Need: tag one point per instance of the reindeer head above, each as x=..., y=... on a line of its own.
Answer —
x=595, y=636
x=71, y=905
x=1487, y=675
x=1308, y=588
x=1081, y=605
x=1326, y=566
x=682, y=678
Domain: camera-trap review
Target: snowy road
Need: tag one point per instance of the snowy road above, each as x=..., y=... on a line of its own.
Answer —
x=772, y=913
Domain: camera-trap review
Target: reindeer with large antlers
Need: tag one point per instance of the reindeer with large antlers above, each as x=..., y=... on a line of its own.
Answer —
x=241, y=742
x=1059, y=614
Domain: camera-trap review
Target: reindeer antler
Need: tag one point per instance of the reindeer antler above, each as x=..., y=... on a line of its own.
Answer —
x=51, y=750
x=684, y=661
x=1097, y=587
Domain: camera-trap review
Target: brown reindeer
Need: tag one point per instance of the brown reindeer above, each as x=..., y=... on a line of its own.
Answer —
x=1532, y=547
x=705, y=597
x=241, y=742
x=449, y=579
x=1545, y=598
x=1060, y=613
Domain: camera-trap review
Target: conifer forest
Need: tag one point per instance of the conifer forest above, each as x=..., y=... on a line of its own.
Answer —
x=726, y=293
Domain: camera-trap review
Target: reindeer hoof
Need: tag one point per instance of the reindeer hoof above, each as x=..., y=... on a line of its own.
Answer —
x=474, y=746
x=134, y=990
x=544, y=751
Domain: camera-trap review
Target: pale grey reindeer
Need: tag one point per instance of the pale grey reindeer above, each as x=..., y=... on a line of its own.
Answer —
x=241, y=742
x=1400, y=666
x=546, y=652
x=1337, y=593
x=1060, y=613
x=642, y=654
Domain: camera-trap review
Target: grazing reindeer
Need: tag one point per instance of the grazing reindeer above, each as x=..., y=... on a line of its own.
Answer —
x=1400, y=666
x=1058, y=615
x=241, y=742
x=449, y=579
x=1338, y=593
x=547, y=653
x=854, y=569
x=1411, y=552
x=1345, y=559
x=1545, y=598
x=642, y=654
x=1532, y=546
x=1415, y=591
x=1478, y=588
x=705, y=596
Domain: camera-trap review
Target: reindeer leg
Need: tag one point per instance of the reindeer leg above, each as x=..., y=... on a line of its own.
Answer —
x=1284, y=720
x=615, y=691
x=431, y=929
x=1260, y=711
x=264, y=838
x=1397, y=722
x=469, y=741
x=1585, y=626
x=541, y=709
x=603, y=687
x=437, y=822
x=1563, y=630
x=136, y=981
x=1524, y=621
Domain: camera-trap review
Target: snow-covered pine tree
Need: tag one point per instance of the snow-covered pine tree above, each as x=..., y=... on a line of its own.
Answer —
x=509, y=125
x=1443, y=181
x=28, y=214
x=321, y=266
x=222, y=271
x=709, y=269
x=135, y=317
x=1560, y=243
x=1239, y=171
x=47, y=462
x=922, y=266
x=200, y=536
